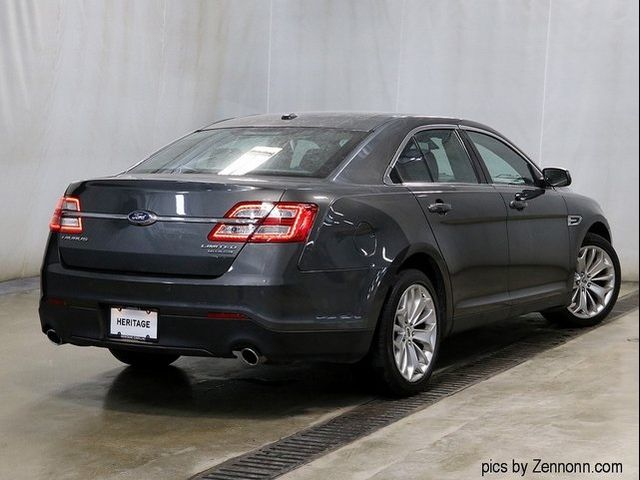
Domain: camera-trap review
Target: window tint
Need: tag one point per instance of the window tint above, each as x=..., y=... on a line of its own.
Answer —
x=288, y=151
x=502, y=162
x=410, y=166
x=446, y=157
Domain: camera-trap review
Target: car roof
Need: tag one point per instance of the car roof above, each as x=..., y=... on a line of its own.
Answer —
x=359, y=121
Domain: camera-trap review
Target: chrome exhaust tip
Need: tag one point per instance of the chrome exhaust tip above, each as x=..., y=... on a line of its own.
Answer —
x=249, y=356
x=53, y=336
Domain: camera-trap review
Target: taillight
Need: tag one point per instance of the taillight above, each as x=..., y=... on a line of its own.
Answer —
x=66, y=224
x=266, y=222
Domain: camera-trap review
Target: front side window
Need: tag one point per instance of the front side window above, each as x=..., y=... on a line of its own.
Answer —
x=287, y=151
x=446, y=157
x=503, y=163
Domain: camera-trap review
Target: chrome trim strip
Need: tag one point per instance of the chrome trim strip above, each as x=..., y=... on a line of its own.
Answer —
x=234, y=221
x=110, y=216
x=116, y=216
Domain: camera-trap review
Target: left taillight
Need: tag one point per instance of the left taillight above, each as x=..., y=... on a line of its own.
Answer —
x=63, y=223
x=266, y=222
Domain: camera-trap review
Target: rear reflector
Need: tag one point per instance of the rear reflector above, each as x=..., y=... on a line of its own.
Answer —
x=227, y=315
x=60, y=222
x=266, y=223
x=56, y=301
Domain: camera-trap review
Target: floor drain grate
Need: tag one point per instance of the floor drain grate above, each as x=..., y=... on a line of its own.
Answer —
x=278, y=458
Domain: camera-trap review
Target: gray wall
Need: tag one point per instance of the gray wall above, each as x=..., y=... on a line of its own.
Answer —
x=88, y=88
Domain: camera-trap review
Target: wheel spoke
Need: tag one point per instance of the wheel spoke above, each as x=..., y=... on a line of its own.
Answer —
x=421, y=355
x=426, y=313
x=412, y=362
x=582, y=265
x=599, y=292
x=603, y=278
x=591, y=254
x=591, y=301
x=582, y=305
x=404, y=359
x=421, y=305
x=598, y=265
x=423, y=336
x=401, y=312
x=576, y=293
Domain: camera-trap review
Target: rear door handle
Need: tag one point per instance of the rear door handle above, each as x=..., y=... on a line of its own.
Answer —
x=440, y=208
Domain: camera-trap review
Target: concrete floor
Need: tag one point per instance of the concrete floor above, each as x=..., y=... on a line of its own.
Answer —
x=71, y=413
x=575, y=403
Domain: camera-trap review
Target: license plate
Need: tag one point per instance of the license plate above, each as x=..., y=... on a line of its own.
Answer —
x=134, y=323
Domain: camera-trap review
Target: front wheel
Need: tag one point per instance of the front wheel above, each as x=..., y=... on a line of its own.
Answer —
x=144, y=359
x=596, y=285
x=405, y=348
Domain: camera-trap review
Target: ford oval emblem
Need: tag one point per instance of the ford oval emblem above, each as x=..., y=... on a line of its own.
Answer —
x=142, y=218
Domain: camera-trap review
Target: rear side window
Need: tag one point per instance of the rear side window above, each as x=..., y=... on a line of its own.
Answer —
x=287, y=151
x=446, y=157
x=434, y=156
x=503, y=163
x=411, y=166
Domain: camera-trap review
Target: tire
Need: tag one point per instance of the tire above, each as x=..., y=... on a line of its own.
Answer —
x=144, y=359
x=598, y=305
x=388, y=371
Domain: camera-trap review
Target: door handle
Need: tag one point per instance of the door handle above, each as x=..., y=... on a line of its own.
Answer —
x=520, y=202
x=440, y=208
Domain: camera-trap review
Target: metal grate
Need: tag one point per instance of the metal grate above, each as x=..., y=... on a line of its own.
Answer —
x=289, y=453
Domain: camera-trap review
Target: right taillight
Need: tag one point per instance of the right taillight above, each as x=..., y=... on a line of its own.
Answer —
x=266, y=222
x=66, y=224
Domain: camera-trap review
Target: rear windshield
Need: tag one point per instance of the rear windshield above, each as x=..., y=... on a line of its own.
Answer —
x=289, y=151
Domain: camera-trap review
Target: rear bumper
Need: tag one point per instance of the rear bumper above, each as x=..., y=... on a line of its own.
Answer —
x=191, y=335
x=309, y=316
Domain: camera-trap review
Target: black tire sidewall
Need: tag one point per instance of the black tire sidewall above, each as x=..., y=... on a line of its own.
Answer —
x=383, y=359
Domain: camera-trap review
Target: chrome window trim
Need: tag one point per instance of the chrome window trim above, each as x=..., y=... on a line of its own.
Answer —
x=508, y=144
x=440, y=126
x=441, y=187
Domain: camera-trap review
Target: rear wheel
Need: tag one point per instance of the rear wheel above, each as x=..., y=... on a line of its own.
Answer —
x=406, y=343
x=144, y=359
x=596, y=285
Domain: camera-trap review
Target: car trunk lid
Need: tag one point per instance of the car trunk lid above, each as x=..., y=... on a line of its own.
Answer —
x=151, y=224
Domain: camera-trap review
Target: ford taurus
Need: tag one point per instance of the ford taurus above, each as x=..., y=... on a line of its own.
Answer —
x=332, y=237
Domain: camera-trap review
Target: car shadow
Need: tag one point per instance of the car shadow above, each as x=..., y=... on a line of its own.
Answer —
x=204, y=387
x=277, y=390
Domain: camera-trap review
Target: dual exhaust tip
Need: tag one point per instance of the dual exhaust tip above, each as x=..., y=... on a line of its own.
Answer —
x=249, y=356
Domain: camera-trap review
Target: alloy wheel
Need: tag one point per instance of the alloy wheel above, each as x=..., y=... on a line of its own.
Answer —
x=594, y=282
x=414, y=332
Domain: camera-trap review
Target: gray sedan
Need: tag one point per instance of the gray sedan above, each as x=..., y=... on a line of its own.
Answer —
x=334, y=237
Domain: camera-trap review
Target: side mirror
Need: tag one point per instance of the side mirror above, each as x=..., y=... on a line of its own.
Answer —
x=556, y=177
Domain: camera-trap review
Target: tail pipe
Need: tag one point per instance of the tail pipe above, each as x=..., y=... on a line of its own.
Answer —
x=53, y=336
x=249, y=356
